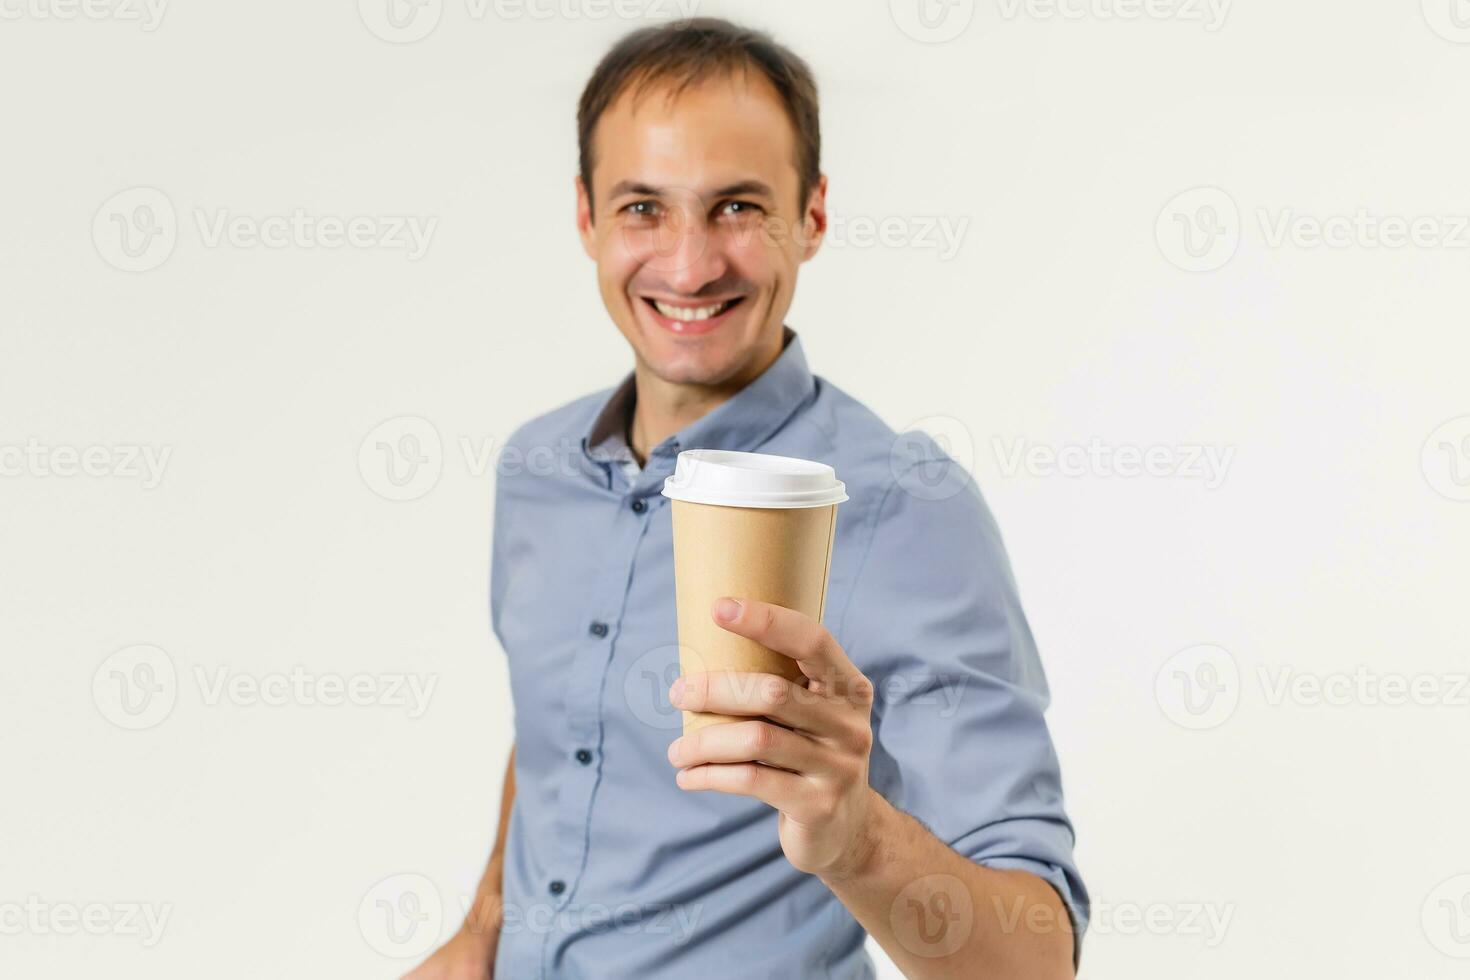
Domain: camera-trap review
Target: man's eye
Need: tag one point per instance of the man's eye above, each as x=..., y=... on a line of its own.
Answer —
x=742, y=209
x=642, y=209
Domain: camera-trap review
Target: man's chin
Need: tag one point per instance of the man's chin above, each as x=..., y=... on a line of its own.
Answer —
x=691, y=367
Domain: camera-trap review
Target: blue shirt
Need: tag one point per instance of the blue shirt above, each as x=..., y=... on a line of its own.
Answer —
x=611, y=870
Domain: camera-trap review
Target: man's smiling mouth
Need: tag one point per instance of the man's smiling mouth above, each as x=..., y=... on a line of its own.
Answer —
x=688, y=313
x=691, y=314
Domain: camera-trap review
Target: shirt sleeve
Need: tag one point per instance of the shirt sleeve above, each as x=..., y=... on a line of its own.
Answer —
x=935, y=621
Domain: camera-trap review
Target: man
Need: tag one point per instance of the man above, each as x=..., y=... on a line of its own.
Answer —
x=911, y=792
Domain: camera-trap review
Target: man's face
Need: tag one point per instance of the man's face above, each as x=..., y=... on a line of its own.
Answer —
x=697, y=232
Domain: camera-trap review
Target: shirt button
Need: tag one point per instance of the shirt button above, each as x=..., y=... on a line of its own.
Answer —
x=557, y=887
x=638, y=506
x=583, y=756
x=598, y=628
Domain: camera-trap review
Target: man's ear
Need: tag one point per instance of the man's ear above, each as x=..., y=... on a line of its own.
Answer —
x=814, y=219
x=584, y=219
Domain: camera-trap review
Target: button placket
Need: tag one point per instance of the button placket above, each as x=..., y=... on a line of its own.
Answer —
x=584, y=691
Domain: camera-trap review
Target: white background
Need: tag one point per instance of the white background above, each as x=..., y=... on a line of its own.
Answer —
x=1327, y=830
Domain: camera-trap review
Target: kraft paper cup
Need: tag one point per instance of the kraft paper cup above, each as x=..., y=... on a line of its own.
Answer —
x=747, y=525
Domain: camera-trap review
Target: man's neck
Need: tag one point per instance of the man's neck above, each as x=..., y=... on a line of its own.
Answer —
x=661, y=408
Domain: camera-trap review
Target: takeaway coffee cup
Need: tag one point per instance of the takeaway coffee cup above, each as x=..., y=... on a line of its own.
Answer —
x=747, y=525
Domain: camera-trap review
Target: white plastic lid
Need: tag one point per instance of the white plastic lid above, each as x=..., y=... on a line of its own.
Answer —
x=731, y=479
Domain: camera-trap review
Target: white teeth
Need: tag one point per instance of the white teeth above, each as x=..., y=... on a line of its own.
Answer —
x=690, y=313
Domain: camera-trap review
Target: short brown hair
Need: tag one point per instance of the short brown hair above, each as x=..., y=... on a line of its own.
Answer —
x=684, y=52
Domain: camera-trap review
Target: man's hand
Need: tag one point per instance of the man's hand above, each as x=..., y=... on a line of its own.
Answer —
x=813, y=740
x=469, y=955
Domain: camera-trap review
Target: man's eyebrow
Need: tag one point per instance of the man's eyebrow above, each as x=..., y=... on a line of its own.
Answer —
x=745, y=187
x=730, y=190
x=633, y=187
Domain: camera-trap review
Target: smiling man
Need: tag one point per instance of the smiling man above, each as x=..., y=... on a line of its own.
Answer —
x=909, y=789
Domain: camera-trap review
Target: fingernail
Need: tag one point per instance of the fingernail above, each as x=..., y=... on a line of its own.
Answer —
x=727, y=610
x=677, y=691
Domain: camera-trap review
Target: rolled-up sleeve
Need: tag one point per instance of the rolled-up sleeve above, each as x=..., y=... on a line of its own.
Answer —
x=960, y=737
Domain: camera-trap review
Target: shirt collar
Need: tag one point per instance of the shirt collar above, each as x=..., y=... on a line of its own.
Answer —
x=741, y=423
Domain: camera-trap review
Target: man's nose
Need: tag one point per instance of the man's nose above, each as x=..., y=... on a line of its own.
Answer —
x=689, y=256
